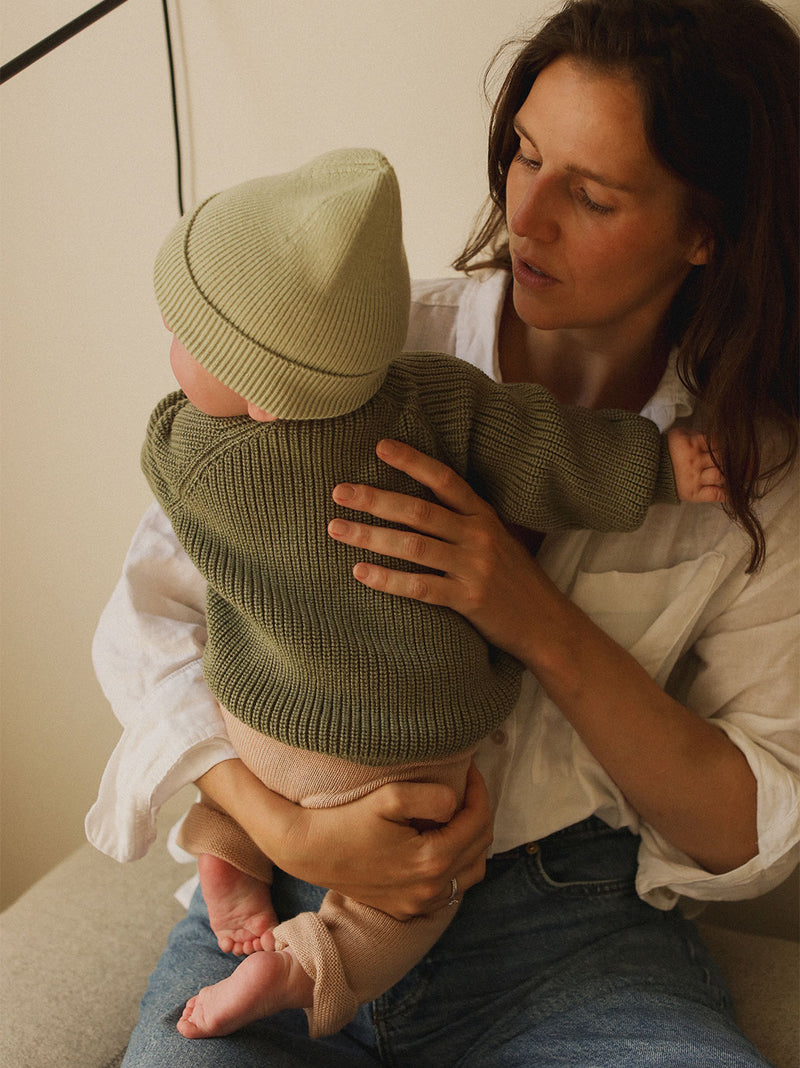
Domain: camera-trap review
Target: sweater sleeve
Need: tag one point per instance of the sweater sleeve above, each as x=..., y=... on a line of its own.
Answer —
x=179, y=445
x=548, y=466
x=159, y=460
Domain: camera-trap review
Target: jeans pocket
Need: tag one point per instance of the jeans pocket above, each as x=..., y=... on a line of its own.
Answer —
x=587, y=860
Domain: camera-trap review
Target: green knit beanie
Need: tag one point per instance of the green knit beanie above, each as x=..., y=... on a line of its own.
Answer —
x=293, y=290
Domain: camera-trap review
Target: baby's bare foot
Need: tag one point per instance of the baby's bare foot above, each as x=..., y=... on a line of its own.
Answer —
x=239, y=907
x=263, y=984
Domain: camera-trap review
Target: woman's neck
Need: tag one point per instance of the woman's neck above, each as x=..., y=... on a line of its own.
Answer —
x=582, y=369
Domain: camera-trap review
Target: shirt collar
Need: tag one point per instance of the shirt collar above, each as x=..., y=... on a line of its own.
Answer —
x=476, y=342
x=671, y=400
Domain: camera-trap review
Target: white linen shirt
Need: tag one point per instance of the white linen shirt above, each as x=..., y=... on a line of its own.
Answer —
x=674, y=593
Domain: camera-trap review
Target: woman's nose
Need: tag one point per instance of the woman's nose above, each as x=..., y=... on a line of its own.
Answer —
x=535, y=215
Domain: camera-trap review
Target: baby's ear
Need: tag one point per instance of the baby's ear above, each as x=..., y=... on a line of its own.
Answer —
x=259, y=414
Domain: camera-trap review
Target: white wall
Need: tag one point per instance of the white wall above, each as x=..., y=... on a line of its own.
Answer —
x=87, y=187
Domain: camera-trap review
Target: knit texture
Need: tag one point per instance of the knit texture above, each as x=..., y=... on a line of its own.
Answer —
x=297, y=648
x=293, y=289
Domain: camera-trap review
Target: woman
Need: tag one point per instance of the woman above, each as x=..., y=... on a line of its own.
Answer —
x=643, y=179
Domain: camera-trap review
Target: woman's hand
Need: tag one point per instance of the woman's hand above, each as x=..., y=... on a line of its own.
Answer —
x=370, y=851
x=482, y=568
x=367, y=849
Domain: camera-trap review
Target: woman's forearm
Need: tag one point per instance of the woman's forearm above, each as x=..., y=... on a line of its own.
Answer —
x=367, y=849
x=278, y=827
x=267, y=817
x=680, y=773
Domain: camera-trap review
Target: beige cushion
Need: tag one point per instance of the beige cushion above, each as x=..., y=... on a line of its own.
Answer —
x=77, y=949
x=763, y=974
x=78, y=946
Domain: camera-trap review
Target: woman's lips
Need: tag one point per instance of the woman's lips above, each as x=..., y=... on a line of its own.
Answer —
x=530, y=275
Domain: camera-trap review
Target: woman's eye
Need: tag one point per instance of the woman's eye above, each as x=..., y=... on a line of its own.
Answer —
x=592, y=205
x=527, y=161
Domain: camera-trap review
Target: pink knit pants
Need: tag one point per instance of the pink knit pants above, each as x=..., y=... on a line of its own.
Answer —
x=352, y=953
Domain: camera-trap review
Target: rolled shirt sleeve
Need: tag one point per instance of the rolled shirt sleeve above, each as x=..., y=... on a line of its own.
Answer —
x=147, y=655
x=745, y=677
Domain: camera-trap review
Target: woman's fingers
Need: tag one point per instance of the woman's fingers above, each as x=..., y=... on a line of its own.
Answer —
x=407, y=802
x=434, y=536
x=441, y=583
x=447, y=486
x=408, y=545
x=435, y=856
x=455, y=495
x=469, y=833
x=430, y=524
x=469, y=561
x=425, y=587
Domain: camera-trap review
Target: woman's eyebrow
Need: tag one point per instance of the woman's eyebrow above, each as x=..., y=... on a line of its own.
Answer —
x=584, y=172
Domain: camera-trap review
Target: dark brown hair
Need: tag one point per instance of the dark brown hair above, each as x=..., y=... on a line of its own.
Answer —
x=718, y=81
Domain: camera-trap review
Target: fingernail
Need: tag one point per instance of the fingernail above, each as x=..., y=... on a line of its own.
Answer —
x=337, y=527
x=344, y=492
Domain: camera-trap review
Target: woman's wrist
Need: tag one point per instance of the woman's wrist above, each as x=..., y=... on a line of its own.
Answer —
x=268, y=818
x=549, y=640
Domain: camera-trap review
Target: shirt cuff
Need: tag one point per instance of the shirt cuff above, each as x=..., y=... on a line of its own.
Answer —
x=665, y=874
x=122, y=821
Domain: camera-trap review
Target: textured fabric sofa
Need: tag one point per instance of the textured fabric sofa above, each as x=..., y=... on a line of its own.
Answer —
x=76, y=950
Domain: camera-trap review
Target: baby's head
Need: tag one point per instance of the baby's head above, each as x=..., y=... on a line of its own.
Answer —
x=293, y=290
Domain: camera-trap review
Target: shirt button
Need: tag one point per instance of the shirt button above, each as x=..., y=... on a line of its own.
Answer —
x=532, y=848
x=498, y=736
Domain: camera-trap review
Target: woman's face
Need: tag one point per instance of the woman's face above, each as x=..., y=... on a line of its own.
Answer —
x=596, y=228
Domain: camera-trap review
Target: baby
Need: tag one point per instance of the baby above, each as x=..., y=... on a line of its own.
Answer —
x=288, y=298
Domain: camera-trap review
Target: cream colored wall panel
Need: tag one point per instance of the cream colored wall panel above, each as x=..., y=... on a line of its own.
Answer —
x=271, y=85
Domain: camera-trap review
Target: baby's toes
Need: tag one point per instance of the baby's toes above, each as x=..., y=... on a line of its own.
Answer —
x=185, y=1025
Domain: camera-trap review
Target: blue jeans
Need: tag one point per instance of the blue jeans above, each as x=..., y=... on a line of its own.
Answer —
x=551, y=961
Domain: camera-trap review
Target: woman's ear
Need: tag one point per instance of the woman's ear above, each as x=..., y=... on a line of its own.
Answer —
x=703, y=251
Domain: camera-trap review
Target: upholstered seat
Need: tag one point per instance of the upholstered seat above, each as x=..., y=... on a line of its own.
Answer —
x=76, y=950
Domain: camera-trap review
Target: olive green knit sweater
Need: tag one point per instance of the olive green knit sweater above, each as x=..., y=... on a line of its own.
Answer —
x=300, y=650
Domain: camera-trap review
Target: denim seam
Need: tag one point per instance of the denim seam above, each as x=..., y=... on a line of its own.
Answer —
x=583, y=888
